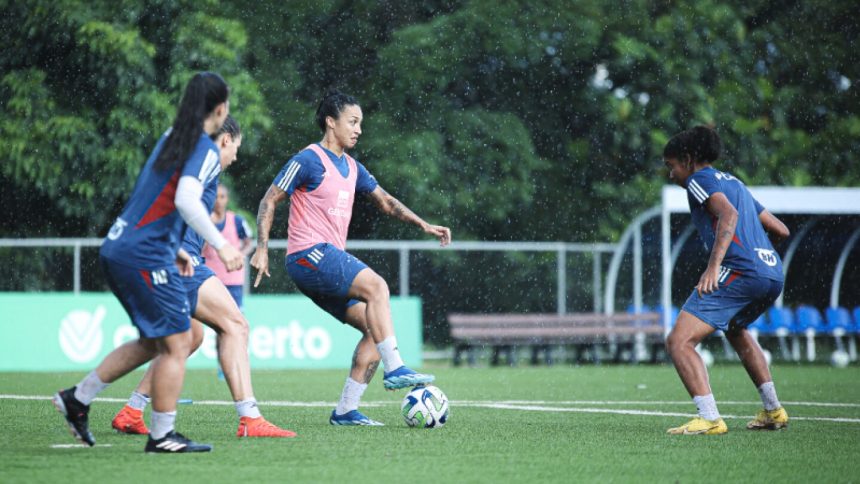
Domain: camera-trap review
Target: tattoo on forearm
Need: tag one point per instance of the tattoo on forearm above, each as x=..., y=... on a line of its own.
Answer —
x=400, y=211
x=266, y=214
x=371, y=370
x=724, y=236
x=263, y=223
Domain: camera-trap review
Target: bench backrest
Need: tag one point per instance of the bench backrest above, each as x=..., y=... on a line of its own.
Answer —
x=548, y=328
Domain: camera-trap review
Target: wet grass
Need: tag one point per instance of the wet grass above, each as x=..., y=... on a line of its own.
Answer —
x=553, y=428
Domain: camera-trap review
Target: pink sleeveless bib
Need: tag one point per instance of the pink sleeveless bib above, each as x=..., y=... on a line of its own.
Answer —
x=235, y=278
x=323, y=215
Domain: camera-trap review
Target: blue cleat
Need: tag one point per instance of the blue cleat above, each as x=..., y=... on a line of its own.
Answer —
x=404, y=377
x=353, y=418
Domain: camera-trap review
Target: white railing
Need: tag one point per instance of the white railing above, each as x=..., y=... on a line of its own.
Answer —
x=403, y=247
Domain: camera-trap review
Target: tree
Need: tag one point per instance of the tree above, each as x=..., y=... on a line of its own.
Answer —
x=87, y=89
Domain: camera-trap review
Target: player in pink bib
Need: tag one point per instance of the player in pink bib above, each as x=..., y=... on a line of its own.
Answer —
x=238, y=234
x=321, y=182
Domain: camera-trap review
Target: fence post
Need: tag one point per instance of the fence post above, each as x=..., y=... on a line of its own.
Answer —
x=404, y=270
x=77, y=277
x=561, y=262
x=596, y=285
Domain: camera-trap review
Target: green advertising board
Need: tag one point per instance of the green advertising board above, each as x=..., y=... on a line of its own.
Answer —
x=63, y=331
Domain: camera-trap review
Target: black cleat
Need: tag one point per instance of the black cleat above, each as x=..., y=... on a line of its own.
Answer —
x=77, y=415
x=173, y=443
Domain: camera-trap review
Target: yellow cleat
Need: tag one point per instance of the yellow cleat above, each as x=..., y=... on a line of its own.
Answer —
x=769, y=420
x=700, y=426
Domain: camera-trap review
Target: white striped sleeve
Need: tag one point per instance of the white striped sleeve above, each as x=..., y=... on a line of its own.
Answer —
x=288, y=175
x=210, y=168
x=695, y=189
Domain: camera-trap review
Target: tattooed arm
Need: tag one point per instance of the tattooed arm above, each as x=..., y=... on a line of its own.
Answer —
x=395, y=208
x=727, y=221
x=265, y=217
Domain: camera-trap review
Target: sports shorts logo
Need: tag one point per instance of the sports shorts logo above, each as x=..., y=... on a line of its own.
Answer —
x=81, y=334
x=767, y=256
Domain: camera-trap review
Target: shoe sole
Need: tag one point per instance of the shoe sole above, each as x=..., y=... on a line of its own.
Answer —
x=404, y=383
x=772, y=426
x=246, y=435
x=183, y=452
x=61, y=407
x=127, y=431
x=355, y=424
x=700, y=432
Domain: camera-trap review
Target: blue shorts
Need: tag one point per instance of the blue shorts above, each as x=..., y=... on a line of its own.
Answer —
x=154, y=299
x=192, y=284
x=237, y=293
x=325, y=273
x=737, y=302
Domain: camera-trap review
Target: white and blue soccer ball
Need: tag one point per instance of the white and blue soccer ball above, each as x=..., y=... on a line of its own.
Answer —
x=425, y=406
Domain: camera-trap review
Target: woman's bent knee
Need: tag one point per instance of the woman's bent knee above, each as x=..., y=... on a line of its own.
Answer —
x=378, y=288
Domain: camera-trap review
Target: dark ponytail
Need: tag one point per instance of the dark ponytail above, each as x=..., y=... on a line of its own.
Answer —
x=701, y=143
x=230, y=126
x=204, y=91
x=332, y=104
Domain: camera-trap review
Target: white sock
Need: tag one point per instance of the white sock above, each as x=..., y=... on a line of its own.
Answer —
x=352, y=392
x=707, y=407
x=89, y=387
x=768, y=396
x=248, y=408
x=138, y=401
x=162, y=424
x=390, y=353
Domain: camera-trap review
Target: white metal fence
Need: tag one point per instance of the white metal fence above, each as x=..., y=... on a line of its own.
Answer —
x=404, y=248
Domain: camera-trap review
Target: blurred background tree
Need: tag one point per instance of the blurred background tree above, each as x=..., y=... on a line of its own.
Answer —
x=511, y=120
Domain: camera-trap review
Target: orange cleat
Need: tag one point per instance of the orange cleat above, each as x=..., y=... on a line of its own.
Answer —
x=260, y=427
x=130, y=421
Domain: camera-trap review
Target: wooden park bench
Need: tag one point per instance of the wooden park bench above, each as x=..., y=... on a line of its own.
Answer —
x=504, y=332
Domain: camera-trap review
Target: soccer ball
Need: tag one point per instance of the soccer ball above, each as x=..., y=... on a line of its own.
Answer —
x=425, y=406
x=840, y=359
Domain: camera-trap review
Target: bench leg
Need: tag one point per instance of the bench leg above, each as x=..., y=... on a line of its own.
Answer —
x=494, y=358
x=458, y=354
x=595, y=353
x=511, y=353
x=471, y=358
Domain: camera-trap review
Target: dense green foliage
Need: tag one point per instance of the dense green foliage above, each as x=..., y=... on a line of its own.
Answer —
x=511, y=120
x=554, y=429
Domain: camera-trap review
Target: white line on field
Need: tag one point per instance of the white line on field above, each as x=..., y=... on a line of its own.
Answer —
x=378, y=403
x=523, y=405
x=652, y=402
x=536, y=408
x=74, y=446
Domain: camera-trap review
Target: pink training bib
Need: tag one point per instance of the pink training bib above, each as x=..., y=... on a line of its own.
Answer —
x=323, y=215
x=230, y=232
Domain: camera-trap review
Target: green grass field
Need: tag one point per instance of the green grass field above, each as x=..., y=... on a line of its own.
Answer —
x=560, y=424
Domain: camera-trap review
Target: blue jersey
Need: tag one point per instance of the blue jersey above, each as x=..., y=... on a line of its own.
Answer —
x=305, y=170
x=148, y=231
x=192, y=242
x=750, y=251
